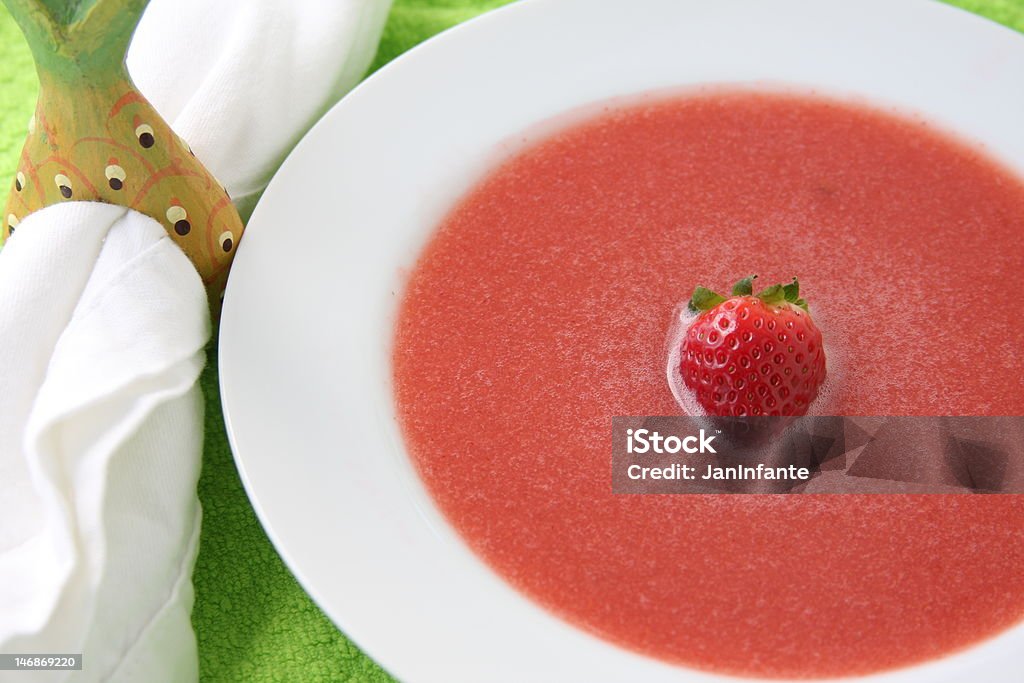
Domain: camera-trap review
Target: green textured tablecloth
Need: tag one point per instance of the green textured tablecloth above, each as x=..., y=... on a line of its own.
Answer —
x=254, y=623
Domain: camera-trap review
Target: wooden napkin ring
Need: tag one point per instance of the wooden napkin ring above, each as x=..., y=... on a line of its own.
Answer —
x=94, y=137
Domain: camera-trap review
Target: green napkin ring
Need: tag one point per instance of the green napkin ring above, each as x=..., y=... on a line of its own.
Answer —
x=94, y=137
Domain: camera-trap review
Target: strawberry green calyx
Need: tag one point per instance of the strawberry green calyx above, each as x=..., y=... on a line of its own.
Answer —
x=744, y=287
x=704, y=299
x=790, y=294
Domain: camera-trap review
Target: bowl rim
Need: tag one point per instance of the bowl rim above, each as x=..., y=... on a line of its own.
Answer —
x=245, y=406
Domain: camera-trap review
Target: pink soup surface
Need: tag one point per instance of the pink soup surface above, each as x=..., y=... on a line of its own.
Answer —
x=539, y=309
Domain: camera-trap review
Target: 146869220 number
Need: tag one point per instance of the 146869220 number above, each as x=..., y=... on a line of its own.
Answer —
x=40, y=662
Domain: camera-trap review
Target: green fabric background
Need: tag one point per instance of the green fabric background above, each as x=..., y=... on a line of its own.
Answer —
x=253, y=621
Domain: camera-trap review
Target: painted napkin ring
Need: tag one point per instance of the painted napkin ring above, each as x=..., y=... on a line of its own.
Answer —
x=94, y=137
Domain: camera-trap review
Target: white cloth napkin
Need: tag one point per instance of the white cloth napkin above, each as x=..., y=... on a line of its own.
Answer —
x=243, y=80
x=100, y=432
x=103, y=322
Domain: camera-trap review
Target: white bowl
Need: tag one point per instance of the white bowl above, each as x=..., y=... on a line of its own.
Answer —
x=307, y=325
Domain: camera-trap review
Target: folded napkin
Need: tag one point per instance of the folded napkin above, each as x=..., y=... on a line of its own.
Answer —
x=104, y=323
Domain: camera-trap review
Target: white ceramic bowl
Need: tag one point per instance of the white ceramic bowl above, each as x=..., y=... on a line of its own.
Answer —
x=306, y=331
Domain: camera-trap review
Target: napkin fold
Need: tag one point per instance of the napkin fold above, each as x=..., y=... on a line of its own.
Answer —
x=103, y=322
x=243, y=80
x=99, y=440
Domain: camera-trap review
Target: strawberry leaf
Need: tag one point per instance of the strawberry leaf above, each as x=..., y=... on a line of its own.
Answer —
x=704, y=299
x=744, y=287
x=792, y=291
x=773, y=295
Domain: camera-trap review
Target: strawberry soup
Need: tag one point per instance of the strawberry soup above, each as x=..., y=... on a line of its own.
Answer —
x=540, y=308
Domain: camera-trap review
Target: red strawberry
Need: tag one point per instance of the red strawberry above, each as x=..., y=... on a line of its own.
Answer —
x=753, y=354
